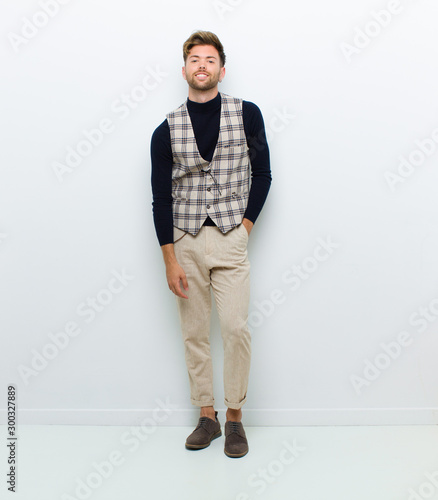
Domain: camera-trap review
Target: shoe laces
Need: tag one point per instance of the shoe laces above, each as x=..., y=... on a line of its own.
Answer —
x=202, y=423
x=234, y=427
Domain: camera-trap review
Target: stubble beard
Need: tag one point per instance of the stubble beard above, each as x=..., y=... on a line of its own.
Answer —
x=208, y=84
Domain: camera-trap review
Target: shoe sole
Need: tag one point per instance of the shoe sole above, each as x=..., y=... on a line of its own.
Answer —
x=236, y=455
x=202, y=446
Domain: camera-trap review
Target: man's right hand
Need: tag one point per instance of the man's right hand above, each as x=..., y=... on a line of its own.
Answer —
x=174, y=272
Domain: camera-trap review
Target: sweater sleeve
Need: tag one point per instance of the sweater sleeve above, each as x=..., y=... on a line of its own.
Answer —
x=259, y=157
x=161, y=179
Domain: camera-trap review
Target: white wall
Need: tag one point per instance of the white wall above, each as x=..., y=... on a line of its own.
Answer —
x=345, y=122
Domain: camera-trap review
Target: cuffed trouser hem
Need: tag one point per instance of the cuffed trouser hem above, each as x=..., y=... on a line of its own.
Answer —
x=235, y=406
x=202, y=403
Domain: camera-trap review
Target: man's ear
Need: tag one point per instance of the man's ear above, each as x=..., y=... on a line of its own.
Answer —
x=222, y=74
x=184, y=73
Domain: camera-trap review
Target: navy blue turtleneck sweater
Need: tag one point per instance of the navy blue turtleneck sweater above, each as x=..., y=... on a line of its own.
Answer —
x=205, y=118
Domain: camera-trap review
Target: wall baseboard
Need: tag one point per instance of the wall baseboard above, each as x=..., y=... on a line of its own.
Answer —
x=164, y=415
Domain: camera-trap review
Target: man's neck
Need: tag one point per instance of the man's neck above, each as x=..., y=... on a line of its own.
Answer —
x=202, y=95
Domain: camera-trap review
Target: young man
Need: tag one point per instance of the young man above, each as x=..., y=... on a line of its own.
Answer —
x=210, y=178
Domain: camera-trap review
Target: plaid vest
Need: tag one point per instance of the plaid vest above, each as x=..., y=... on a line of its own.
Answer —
x=219, y=188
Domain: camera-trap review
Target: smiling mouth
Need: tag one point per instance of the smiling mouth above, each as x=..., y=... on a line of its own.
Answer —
x=201, y=75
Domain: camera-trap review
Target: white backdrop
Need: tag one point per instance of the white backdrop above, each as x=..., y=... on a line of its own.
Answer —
x=344, y=255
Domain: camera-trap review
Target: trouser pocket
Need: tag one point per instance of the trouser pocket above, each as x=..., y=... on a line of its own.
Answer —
x=178, y=234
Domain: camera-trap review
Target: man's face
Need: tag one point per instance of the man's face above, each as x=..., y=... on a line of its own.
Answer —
x=202, y=69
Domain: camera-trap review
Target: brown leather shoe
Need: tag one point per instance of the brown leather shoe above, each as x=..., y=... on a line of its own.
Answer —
x=236, y=444
x=206, y=430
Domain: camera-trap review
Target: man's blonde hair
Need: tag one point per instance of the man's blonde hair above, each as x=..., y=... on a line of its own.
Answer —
x=203, y=38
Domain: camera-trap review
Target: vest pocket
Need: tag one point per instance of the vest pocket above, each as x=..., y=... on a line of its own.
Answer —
x=232, y=152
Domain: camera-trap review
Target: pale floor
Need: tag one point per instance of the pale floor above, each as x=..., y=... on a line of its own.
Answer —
x=299, y=463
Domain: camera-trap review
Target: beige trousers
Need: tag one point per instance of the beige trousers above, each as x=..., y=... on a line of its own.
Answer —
x=220, y=261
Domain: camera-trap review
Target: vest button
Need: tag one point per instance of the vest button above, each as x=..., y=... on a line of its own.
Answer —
x=208, y=189
x=208, y=206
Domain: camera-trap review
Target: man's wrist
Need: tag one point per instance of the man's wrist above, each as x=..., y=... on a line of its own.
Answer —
x=248, y=224
x=168, y=254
